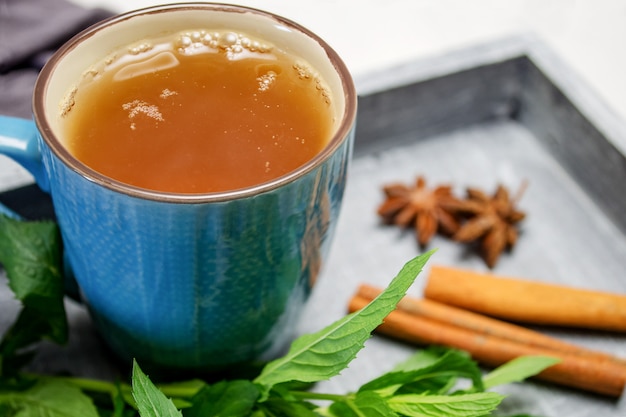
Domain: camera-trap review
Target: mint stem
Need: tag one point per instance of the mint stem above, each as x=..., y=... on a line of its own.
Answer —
x=305, y=395
x=94, y=385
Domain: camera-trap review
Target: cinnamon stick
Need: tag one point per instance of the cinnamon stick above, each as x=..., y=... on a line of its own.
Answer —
x=526, y=301
x=576, y=371
x=483, y=325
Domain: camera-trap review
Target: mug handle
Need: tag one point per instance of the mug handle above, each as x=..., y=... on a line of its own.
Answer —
x=18, y=141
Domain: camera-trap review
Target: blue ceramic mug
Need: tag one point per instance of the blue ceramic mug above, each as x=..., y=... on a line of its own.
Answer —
x=181, y=281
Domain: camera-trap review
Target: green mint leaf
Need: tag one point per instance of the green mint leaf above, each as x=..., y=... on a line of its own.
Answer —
x=49, y=397
x=365, y=404
x=151, y=402
x=277, y=406
x=182, y=389
x=321, y=355
x=181, y=392
x=466, y=405
x=438, y=384
x=518, y=370
x=31, y=255
x=227, y=398
x=372, y=404
x=7, y=410
x=422, y=358
x=433, y=370
x=340, y=409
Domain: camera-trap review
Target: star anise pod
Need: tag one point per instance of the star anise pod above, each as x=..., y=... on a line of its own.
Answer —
x=420, y=207
x=493, y=222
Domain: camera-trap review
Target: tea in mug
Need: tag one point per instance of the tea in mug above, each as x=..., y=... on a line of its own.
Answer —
x=199, y=112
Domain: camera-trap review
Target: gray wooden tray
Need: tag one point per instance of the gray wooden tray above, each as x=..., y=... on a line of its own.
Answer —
x=504, y=112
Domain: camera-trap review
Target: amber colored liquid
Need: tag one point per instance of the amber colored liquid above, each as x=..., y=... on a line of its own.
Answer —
x=189, y=118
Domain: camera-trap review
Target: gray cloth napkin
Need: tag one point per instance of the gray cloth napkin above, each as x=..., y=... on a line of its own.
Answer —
x=30, y=31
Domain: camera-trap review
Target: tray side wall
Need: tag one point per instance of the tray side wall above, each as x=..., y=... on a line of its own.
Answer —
x=468, y=97
x=593, y=161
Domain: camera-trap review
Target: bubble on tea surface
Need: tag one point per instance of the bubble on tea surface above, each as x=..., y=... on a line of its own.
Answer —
x=302, y=70
x=68, y=102
x=256, y=46
x=266, y=80
x=211, y=39
x=168, y=93
x=91, y=73
x=228, y=42
x=207, y=38
x=267, y=75
x=141, y=48
x=323, y=90
x=184, y=41
x=228, y=39
x=137, y=107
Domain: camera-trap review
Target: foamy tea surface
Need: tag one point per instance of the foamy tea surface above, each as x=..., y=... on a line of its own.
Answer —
x=198, y=112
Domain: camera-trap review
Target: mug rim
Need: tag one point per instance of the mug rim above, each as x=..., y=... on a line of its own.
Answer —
x=346, y=124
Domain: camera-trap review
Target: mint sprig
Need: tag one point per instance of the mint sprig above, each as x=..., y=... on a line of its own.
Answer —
x=424, y=385
x=150, y=401
x=48, y=397
x=322, y=355
x=31, y=255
